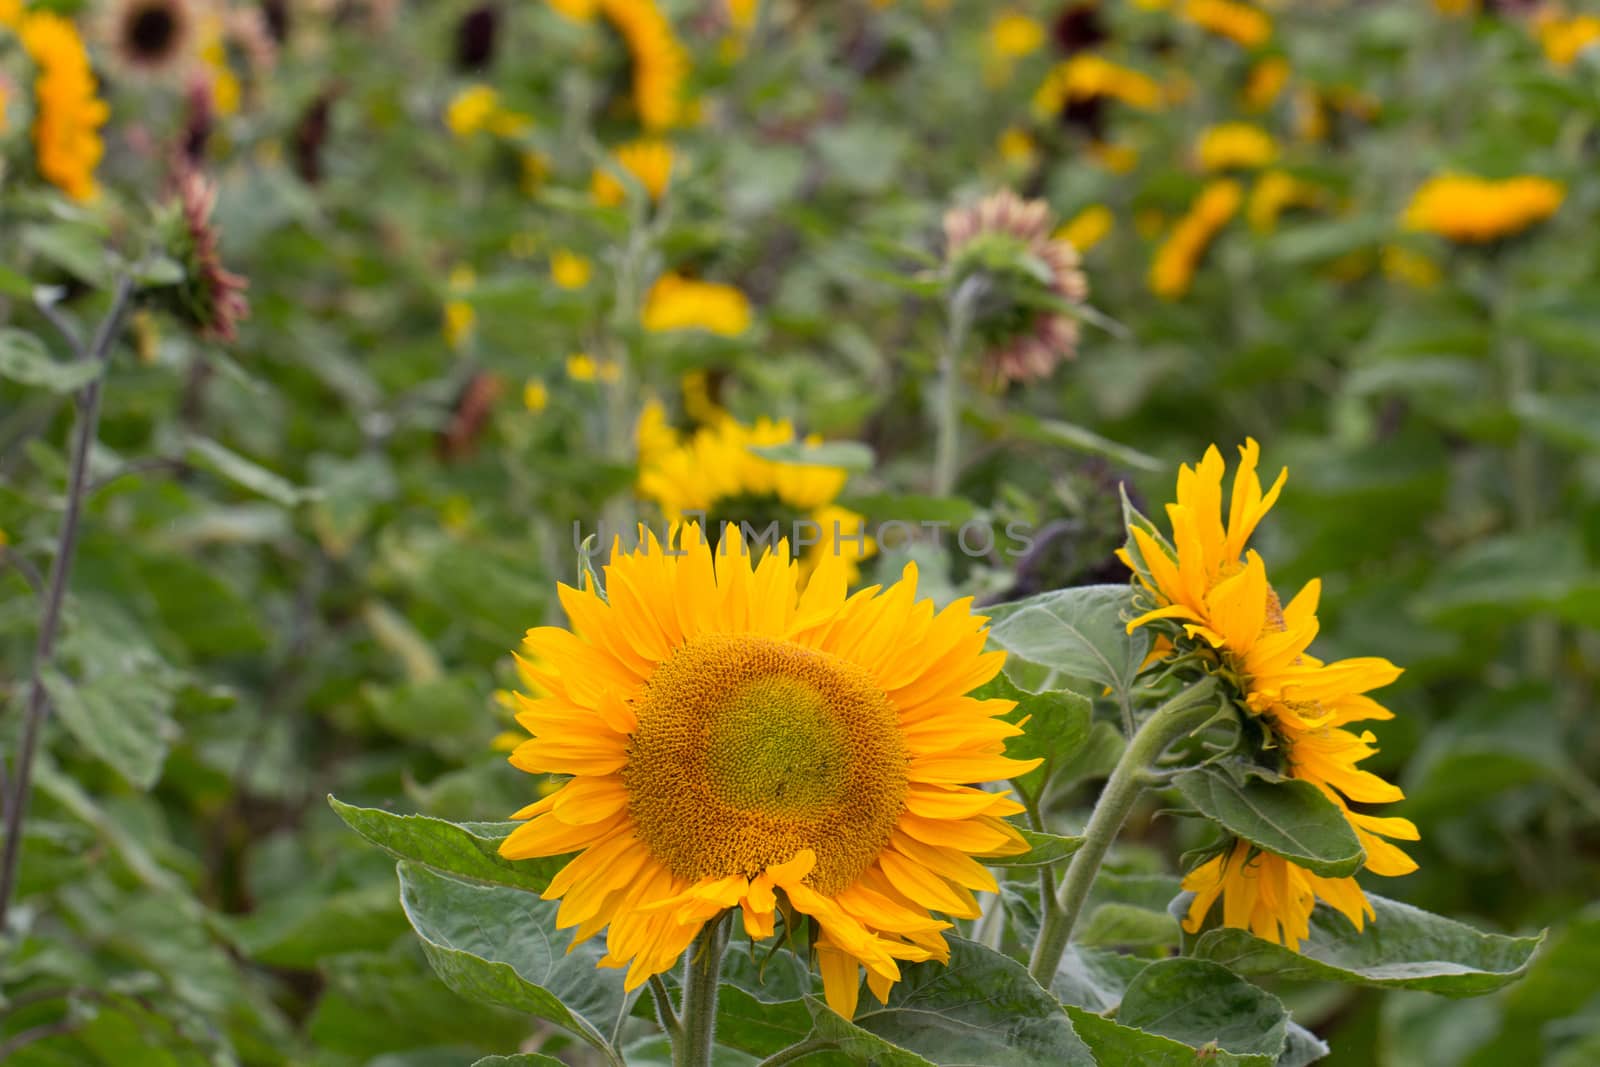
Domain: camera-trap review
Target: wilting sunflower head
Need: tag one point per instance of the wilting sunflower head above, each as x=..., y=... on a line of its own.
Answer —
x=150, y=38
x=210, y=297
x=1020, y=281
x=734, y=742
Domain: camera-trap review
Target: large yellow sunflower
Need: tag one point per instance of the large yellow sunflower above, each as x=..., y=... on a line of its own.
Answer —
x=733, y=742
x=660, y=64
x=1207, y=581
x=715, y=473
x=66, y=129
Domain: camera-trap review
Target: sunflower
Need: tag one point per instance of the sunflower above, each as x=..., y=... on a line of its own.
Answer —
x=66, y=129
x=736, y=743
x=678, y=303
x=1176, y=260
x=150, y=38
x=1240, y=23
x=1219, y=593
x=660, y=64
x=1234, y=145
x=649, y=162
x=716, y=472
x=1470, y=209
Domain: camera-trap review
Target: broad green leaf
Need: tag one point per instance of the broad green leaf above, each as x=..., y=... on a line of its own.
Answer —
x=912, y=508
x=302, y=929
x=468, y=850
x=501, y=945
x=119, y=708
x=1301, y=1047
x=1080, y=439
x=79, y=249
x=25, y=360
x=1289, y=818
x=1071, y=634
x=373, y=1003
x=1055, y=723
x=848, y=455
x=1128, y=926
x=1568, y=421
x=521, y=1059
x=756, y=1026
x=1569, y=328
x=1094, y=978
x=855, y=1045
x=1114, y=1044
x=243, y=472
x=981, y=1008
x=1204, y=1004
x=1511, y=575
x=1044, y=849
x=1404, y=948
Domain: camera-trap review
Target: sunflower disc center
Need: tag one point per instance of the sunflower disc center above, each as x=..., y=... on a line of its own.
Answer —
x=151, y=31
x=751, y=748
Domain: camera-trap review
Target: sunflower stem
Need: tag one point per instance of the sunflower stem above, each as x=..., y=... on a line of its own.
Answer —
x=1171, y=721
x=88, y=423
x=947, y=416
x=702, y=971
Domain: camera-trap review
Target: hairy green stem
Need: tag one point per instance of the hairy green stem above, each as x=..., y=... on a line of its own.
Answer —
x=88, y=423
x=947, y=415
x=1174, y=719
x=701, y=973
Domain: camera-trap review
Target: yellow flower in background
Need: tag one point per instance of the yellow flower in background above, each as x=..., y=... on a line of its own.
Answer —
x=678, y=303
x=1238, y=22
x=1114, y=157
x=1470, y=209
x=582, y=367
x=1017, y=147
x=577, y=10
x=1401, y=264
x=459, y=317
x=699, y=399
x=535, y=169
x=1274, y=192
x=535, y=396
x=1266, y=83
x=568, y=269
x=1087, y=228
x=653, y=435
x=1014, y=35
x=1173, y=269
x=471, y=110
x=1455, y=7
x=716, y=470
x=729, y=736
x=1235, y=145
x=660, y=64
x=1218, y=591
x=648, y=162
x=66, y=127
x=1086, y=76
x=1565, y=38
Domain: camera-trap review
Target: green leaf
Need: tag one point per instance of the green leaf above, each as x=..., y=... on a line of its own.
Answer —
x=462, y=850
x=1513, y=574
x=1288, y=818
x=302, y=929
x=849, y=455
x=1056, y=723
x=120, y=709
x=1129, y=926
x=1568, y=421
x=521, y=1059
x=1071, y=634
x=1201, y=1004
x=1080, y=439
x=1301, y=1047
x=244, y=472
x=832, y=1030
x=981, y=1008
x=912, y=507
x=1044, y=850
x=75, y=247
x=25, y=360
x=500, y=945
x=1403, y=948
x=1115, y=1044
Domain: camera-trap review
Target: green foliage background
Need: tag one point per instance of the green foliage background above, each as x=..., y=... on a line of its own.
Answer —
x=301, y=571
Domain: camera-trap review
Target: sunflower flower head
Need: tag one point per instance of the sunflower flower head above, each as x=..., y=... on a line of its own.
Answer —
x=210, y=297
x=719, y=472
x=1476, y=210
x=1566, y=37
x=149, y=38
x=660, y=65
x=677, y=303
x=648, y=162
x=1242, y=24
x=1234, y=146
x=735, y=743
x=1173, y=269
x=1210, y=595
x=69, y=114
x=1087, y=76
x=1026, y=282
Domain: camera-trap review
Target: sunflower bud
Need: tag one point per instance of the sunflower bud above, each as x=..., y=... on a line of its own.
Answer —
x=210, y=297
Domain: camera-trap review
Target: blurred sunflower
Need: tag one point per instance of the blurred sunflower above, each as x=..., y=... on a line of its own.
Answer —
x=734, y=742
x=1027, y=279
x=1240, y=23
x=716, y=472
x=1087, y=76
x=660, y=63
x=1219, y=594
x=1469, y=209
x=1175, y=262
x=1234, y=146
x=149, y=38
x=210, y=297
x=1274, y=193
x=649, y=162
x=1087, y=228
x=678, y=303
x=1564, y=38
x=69, y=113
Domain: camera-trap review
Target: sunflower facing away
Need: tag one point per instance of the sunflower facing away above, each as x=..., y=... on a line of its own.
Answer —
x=1220, y=595
x=715, y=472
x=734, y=742
x=149, y=38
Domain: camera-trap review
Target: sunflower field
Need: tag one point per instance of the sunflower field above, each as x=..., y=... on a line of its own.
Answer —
x=819, y=532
